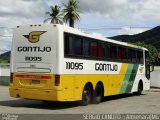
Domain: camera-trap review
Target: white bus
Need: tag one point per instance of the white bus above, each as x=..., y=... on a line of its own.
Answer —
x=59, y=63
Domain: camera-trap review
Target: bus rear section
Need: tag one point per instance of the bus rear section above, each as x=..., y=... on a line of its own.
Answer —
x=34, y=62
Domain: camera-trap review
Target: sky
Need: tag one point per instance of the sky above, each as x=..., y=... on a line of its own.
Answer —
x=99, y=17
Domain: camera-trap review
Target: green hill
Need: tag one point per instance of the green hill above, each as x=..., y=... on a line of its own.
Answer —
x=5, y=57
x=149, y=37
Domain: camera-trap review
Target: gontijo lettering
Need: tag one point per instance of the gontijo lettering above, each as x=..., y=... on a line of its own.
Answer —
x=106, y=67
x=33, y=49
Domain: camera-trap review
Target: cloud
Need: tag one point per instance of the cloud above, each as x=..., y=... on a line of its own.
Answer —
x=97, y=34
x=131, y=31
x=22, y=8
x=18, y=12
x=118, y=14
x=5, y=45
x=94, y=14
x=122, y=9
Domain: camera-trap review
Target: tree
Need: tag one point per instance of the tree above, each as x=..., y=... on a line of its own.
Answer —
x=55, y=15
x=71, y=12
x=153, y=52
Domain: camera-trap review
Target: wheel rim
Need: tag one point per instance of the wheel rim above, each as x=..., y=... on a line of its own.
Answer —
x=98, y=93
x=140, y=88
x=86, y=95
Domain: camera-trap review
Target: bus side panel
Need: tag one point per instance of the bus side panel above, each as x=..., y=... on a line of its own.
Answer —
x=111, y=83
x=68, y=87
x=81, y=81
x=76, y=83
x=141, y=76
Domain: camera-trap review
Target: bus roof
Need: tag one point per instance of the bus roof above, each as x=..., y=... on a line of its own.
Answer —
x=84, y=34
x=76, y=31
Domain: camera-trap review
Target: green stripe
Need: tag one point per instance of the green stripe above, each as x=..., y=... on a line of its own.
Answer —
x=132, y=78
x=126, y=78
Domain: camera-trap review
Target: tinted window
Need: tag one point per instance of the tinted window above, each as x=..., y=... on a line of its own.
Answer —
x=68, y=44
x=125, y=53
x=140, y=57
x=108, y=52
x=129, y=55
x=101, y=50
x=113, y=52
x=86, y=47
x=122, y=53
x=133, y=56
x=94, y=49
x=77, y=46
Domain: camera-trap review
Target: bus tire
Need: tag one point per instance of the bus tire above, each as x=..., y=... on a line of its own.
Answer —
x=86, y=95
x=98, y=94
x=139, y=89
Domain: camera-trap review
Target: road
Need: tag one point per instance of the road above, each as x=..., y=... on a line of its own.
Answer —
x=149, y=102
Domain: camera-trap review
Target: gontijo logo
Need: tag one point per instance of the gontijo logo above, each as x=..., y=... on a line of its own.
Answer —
x=34, y=36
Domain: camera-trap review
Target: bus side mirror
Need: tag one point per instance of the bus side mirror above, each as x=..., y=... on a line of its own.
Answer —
x=151, y=68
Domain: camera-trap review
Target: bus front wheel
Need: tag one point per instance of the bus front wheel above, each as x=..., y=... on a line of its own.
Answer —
x=139, y=89
x=86, y=95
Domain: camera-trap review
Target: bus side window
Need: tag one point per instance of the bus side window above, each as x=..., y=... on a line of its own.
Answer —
x=77, y=46
x=107, y=51
x=129, y=55
x=122, y=54
x=86, y=47
x=138, y=56
x=125, y=54
x=119, y=53
x=113, y=52
x=94, y=49
x=68, y=44
x=101, y=50
x=141, y=58
x=133, y=55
